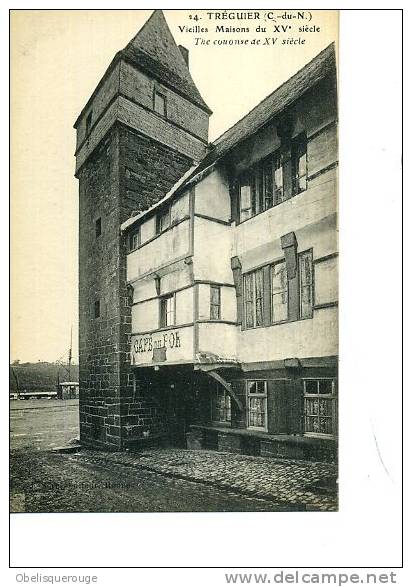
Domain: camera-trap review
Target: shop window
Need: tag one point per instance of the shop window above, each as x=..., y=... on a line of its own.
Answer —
x=159, y=105
x=163, y=220
x=253, y=296
x=98, y=227
x=167, y=311
x=299, y=164
x=221, y=405
x=134, y=240
x=257, y=404
x=320, y=407
x=215, y=302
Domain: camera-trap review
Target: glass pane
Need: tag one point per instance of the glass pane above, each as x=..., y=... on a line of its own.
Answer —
x=214, y=295
x=325, y=386
x=268, y=183
x=245, y=197
x=252, y=387
x=259, y=297
x=257, y=412
x=214, y=312
x=311, y=386
x=260, y=387
x=279, y=307
x=306, y=287
x=325, y=426
x=302, y=167
x=278, y=183
x=279, y=278
x=305, y=260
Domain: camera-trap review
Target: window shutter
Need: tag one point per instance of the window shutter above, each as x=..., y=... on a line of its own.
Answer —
x=266, y=296
x=237, y=280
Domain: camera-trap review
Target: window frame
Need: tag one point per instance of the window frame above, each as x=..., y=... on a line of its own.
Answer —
x=163, y=310
x=161, y=214
x=217, y=305
x=333, y=397
x=272, y=268
x=130, y=242
x=98, y=227
x=157, y=92
x=245, y=276
x=217, y=388
x=299, y=146
x=97, y=311
x=311, y=285
x=257, y=395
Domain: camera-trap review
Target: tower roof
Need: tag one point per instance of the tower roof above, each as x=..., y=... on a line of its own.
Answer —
x=154, y=50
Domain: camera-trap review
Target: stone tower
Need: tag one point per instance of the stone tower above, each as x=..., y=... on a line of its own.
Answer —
x=143, y=127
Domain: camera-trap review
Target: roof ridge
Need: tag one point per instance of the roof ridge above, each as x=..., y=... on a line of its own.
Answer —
x=288, y=80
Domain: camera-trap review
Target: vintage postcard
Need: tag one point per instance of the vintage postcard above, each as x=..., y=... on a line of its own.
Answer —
x=183, y=206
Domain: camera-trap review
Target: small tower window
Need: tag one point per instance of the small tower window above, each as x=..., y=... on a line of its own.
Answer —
x=160, y=103
x=89, y=122
x=97, y=309
x=98, y=227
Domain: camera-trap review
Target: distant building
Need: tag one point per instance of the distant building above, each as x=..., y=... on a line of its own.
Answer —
x=68, y=390
x=208, y=273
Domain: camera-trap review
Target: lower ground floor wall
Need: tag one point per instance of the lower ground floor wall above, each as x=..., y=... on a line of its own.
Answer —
x=288, y=412
x=287, y=447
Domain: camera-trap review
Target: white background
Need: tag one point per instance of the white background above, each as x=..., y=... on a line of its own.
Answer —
x=367, y=530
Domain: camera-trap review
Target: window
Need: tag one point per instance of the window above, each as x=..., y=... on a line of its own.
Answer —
x=167, y=311
x=159, y=103
x=306, y=284
x=163, y=220
x=97, y=309
x=215, y=302
x=253, y=294
x=245, y=201
x=89, y=123
x=299, y=164
x=257, y=404
x=279, y=292
x=269, y=297
x=320, y=406
x=274, y=179
x=98, y=227
x=133, y=240
x=221, y=406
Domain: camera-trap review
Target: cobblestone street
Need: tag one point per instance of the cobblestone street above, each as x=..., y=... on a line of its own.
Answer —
x=154, y=480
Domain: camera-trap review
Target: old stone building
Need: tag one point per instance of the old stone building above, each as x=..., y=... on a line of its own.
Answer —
x=208, y=272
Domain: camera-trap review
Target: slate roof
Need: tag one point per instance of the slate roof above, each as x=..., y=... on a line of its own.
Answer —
x=322, y=65
x=154, y=50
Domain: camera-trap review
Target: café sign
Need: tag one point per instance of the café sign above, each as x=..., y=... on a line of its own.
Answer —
x=172, y=345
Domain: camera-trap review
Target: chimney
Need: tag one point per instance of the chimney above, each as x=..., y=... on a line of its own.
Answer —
x=185, y=54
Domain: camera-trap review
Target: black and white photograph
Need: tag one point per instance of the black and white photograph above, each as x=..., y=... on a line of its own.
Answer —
x=175, y=268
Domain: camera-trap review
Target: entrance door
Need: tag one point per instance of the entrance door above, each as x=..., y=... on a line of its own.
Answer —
x=177, y=412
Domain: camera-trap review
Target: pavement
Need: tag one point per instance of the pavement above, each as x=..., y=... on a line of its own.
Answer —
x=152, y=480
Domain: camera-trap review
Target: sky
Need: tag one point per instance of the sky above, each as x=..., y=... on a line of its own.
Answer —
x=57, y=59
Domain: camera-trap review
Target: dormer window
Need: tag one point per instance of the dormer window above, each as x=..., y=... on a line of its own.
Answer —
x=163, y=220
x=89, y=123
x=159, y=105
